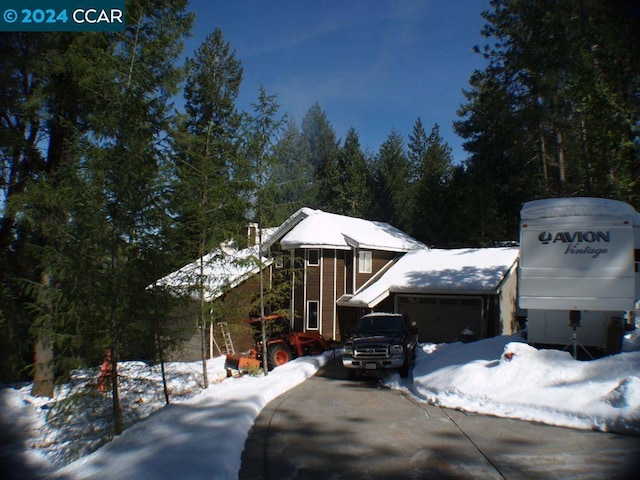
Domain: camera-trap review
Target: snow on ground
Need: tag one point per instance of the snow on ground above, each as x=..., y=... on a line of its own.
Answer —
x=507, y=378
x=202, y=433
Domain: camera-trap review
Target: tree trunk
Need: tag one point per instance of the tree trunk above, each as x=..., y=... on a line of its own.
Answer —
x=43, y=375
x=118, y=426
x=562, y=168
x=43, y=350
x=585, y=156
x=201, y=320
x=117, y=408
x=161, y=360
x=543, y=158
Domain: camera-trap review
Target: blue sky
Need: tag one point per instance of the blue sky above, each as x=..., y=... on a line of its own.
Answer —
x=375, y=65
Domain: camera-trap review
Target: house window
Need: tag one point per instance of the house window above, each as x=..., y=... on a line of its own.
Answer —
x=313, y=257
x=364, y=262
x=312, y=315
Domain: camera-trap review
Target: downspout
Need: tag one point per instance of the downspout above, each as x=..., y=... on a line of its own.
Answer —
x=353, y=278
x=292, y=306
x=335, y=293
x=321, y=302
x=304, y=292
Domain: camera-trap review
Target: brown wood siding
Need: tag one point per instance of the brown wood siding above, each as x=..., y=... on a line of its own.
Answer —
x=348, y=263
x=328, y=292
x=298, y=299
x=378, y=260
x=340, y=273
x=313, y=282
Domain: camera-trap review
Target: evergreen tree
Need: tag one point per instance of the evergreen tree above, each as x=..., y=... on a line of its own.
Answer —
x=555, y=112
x=262, y=132
x=355, y=192
x=392, y=174
x=210, y=188
x=497, y=178
x=323, y=156
x=129, y=125
x=91, y=110
x=295, y=187
x=432, y=214
x=417, y=150
x=41, y=120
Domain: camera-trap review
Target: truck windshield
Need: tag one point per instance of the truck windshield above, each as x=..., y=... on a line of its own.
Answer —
x=378, y=324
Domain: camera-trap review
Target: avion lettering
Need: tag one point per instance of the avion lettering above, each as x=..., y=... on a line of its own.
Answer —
x=577, y=249
x=589, y=236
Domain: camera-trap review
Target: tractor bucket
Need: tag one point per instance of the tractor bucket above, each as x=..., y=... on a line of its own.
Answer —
x=241, y=362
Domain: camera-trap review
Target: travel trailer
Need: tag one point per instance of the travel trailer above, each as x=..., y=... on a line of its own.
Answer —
x=579, y=270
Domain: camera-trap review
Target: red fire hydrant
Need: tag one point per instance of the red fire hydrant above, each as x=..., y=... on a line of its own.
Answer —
x=105, y=372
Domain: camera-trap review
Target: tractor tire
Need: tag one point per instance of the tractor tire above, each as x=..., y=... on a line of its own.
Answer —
x=279, y=354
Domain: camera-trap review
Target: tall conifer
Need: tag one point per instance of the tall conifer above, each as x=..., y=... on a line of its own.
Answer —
x=211, y=176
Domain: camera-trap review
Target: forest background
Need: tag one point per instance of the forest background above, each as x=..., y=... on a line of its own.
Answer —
x=106, y=186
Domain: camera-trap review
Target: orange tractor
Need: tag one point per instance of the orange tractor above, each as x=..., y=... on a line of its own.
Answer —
x=283, y=345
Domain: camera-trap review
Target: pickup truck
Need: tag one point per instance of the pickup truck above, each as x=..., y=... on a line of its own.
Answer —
x=381, y=341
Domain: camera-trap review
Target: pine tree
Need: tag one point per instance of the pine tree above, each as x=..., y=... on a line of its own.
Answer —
x=263, y=128
x=494, y=169
x=555, y=112
x=417, y=150
x=434, y=160
x=211, y=178
x=45, y=115
x=262, y=131
x=392, y=174
x=132, y=87
x=355, y=192
x=323, y=156
x=295, y=188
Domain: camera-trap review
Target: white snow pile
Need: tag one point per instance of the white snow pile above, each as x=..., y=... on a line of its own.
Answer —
x=509, y=378
x=202, y=433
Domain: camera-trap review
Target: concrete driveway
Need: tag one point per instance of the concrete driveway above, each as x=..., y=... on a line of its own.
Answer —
x=332, y=428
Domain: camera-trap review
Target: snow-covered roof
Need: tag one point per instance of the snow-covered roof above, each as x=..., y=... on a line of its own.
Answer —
x=223, y=268
x=577, y=207
x=468, y=270
x=309, y=228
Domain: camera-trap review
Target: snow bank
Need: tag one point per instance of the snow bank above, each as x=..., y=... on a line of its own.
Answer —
x=512, y=379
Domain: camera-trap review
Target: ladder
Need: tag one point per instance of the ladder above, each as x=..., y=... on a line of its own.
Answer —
x=226, y=335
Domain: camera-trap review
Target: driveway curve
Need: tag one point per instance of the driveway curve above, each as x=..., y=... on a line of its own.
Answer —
x=331, y=428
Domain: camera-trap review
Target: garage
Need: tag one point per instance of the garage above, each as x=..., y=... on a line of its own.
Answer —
x=446, y=292
x=442, y=318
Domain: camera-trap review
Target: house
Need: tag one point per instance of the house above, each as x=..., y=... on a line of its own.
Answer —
x=229, y=278
x=336, y=268
x=342, y=267
x=447, y=292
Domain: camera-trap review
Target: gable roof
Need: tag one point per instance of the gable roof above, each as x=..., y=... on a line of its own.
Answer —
x=439, y=271
x=223, y=268
x=309, y=228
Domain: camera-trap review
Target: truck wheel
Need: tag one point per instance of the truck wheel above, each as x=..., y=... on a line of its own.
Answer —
x=279, y=354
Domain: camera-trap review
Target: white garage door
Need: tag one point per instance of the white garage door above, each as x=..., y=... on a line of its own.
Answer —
x=441, y=319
